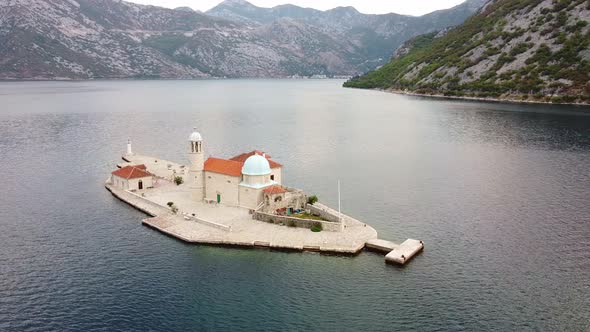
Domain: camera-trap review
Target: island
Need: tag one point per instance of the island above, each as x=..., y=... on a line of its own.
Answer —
x=240, y=201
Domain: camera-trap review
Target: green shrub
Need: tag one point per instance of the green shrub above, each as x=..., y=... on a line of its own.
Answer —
x=317, y=227
x=178, y=180
x=170, y=204
x=311, y=200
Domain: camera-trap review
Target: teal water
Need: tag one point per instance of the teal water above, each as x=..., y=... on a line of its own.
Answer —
x=498, y=192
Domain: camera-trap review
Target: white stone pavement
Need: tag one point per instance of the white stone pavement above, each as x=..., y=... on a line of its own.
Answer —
x=245, y=231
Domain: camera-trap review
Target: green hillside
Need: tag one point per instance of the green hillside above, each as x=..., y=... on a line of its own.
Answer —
x=513, y=49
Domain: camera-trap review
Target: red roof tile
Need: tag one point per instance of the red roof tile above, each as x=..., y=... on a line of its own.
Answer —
x=132, y=172
x=223, y=166
x=242, y=158
x=275, y=190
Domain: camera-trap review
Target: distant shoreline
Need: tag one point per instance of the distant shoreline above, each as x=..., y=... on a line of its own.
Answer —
x=480, y=99
x=165, y=79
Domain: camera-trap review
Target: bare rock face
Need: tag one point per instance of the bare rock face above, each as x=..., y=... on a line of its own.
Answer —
x=89, y=39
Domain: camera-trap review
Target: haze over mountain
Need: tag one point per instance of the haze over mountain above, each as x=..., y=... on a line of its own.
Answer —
x=513, y=49
x=81, y=39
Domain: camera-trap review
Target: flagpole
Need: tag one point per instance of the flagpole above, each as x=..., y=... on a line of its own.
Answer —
x=339, y=206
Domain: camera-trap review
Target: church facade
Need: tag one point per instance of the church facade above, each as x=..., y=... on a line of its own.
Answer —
x=246, y=180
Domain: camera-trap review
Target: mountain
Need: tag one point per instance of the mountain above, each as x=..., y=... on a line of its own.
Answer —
x=89, y=39
x=375, y=37
x=534, y=50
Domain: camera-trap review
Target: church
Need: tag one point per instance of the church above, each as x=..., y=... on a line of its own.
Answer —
x=246, y=180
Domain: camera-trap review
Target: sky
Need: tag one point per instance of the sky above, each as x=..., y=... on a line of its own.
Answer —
x=408, y=7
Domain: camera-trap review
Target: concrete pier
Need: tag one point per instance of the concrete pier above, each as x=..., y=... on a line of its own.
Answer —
x=396, y=253
x=406, y=251
x=381, y=245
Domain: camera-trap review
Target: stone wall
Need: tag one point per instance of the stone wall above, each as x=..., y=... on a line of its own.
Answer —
x=293, y=198
x=323, y=211
x=208, y=223
x=224, y=185
x=131, y=184
x=296, y=222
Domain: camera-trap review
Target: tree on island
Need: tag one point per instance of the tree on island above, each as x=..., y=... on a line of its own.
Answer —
x=178, y=180
x=311, y=200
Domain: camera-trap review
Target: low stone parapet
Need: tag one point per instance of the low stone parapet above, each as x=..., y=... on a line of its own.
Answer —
x=295, y=222
x=325, y=212
x=209, y=223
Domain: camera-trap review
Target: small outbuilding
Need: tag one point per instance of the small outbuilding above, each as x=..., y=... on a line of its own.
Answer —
x=133, y=177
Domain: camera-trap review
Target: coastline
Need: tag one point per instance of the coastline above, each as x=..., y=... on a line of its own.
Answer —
x=478, y=99
x=132, y=79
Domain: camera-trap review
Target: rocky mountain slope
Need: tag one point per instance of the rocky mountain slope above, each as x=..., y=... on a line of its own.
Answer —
x=81, y=39
x=374, y=37
x=534, y=50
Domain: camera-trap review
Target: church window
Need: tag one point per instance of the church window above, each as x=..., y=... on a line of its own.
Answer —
x=272, y=177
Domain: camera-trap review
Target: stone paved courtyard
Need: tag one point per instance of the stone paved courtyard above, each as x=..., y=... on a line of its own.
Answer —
x=244, y=231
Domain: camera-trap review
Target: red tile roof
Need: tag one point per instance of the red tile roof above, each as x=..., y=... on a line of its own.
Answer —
x=275, y=190
x=242, y=158
x=223, y=166
x=132, y=172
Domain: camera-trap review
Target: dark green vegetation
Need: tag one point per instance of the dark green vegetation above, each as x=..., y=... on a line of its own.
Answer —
x=513, y=49
x=178, y=180
x=312, y=199
x=317, y=227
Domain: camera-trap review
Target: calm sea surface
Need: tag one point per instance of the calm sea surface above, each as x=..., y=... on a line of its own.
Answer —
x=499, y=193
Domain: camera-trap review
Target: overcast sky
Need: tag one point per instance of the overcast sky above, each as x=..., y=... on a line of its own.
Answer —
x=409, y=7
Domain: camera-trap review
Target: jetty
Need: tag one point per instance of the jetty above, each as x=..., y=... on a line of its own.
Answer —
x=273, y=216
x=396, y=253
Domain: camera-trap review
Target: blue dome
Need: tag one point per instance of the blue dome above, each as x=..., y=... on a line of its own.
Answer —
x=256, y=165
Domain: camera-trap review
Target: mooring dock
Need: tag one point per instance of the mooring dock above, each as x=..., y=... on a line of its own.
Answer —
x=396, y=253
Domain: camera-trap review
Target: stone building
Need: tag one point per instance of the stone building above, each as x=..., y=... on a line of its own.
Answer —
x=238, y=181
x=133, y=177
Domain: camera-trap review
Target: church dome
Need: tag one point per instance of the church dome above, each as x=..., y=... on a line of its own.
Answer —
x=195, y=136
x=256, y=165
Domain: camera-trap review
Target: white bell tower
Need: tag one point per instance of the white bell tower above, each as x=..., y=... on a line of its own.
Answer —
x=196, y=178
x=129, y=151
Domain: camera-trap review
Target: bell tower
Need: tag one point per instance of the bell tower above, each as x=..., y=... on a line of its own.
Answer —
x=196, y=178
x=129, y=151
